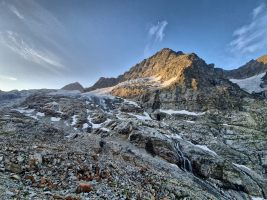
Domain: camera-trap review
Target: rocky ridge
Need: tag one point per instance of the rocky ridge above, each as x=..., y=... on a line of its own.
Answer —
x=252, y=68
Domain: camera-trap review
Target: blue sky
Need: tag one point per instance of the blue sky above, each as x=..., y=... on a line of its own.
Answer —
x=49, y=43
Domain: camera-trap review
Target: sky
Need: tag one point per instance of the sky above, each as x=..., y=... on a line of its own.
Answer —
x=50, y=43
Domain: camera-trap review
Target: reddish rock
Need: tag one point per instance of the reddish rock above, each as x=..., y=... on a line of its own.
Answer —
x=31, y=178
x=71, y=198
x=84, y=188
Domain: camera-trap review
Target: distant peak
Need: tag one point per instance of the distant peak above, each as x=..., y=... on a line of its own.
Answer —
x=193, y=56
x=180, y=53
x=73, y=86
x=263, y=59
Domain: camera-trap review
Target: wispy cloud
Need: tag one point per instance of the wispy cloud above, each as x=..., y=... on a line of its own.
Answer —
x=155, y=35
x=156, y=31
x=258, y=10
x=32, y=33
x=15, y=11
x=27, y=51
x=7, y=78
x=252, y=36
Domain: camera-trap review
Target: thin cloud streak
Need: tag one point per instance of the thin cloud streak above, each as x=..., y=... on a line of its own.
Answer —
x=155, y=35
x=157, y=31
x=253, y=36
x=256, y=11
x=37, y=38
x=16, y=12
x=8, y=78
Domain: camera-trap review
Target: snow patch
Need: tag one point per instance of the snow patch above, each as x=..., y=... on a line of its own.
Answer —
x=131, y=103
x=94, y=125
x=102, y=91
x=183, y=112
x=24, y=110
x=191, y=122
x=85, y=126
x=105, y=129
x=55, y=119
x=251, y=84
x=33, y=116
x=257, y=198
x=143, y=117
x=173, y=136
x=74, y=120
x=99, y=93
x=39, y=114
x=242, y=166
x=27, y=112
x=205, y=148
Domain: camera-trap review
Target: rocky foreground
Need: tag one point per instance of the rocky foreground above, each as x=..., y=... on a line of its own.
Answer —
x=69, y=145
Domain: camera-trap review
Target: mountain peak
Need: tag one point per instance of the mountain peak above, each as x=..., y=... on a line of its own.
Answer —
x=262, y=59
x=178, y=77
x=166, y=50
x=167, y=66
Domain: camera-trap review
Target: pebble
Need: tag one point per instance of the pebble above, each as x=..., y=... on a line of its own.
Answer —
x=9, y=193
x=15, y=176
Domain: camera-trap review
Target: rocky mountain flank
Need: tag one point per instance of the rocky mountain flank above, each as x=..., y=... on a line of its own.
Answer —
x=66, y=145
x=74, y=86
x=103, y=83
x=251, y=77
x=172, y=79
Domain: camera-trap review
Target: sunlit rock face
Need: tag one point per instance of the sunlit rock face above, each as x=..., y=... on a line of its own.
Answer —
x=172, y=79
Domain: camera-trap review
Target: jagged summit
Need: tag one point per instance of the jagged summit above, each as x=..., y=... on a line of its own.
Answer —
x=158, y=66
x=172, y=68
x=168, y=50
